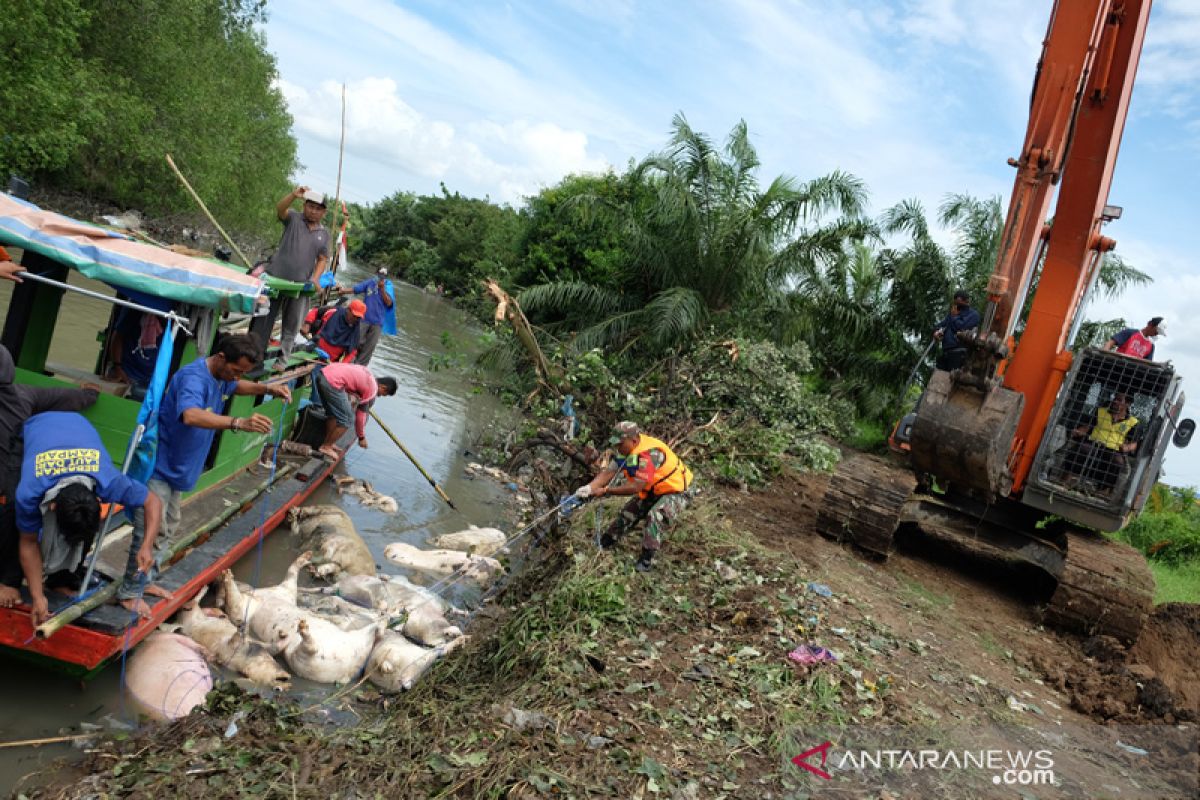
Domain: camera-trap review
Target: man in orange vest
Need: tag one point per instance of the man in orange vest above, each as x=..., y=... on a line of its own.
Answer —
x=657, y=481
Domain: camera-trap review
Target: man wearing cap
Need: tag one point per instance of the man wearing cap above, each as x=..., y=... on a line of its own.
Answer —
x=340, y=334
x=301, y=256
x=380, y=318
x=961, y=318
x=1133, y=342
x=657, y=481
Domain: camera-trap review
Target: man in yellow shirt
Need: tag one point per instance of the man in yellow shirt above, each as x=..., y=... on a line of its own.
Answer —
x=657, y=482
x=1102, y=443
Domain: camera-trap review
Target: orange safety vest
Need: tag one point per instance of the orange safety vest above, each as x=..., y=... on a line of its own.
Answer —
x=1109, y=433
x=671, y=477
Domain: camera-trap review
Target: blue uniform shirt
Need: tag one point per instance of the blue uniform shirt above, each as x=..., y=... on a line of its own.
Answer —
x=378, y=312
x=183, y=448
x=965, y=320
x=59, y=444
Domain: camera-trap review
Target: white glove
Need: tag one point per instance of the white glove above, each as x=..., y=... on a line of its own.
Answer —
x=584, y=492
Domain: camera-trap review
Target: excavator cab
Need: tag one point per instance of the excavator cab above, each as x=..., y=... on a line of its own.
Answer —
x=1103, y=448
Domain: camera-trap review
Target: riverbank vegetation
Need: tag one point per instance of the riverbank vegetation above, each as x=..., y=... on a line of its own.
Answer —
x=96, y=94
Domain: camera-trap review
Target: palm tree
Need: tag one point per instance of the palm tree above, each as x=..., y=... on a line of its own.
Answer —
x=704, y=241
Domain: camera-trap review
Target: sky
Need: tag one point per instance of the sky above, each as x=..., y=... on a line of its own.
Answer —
x=918, y=98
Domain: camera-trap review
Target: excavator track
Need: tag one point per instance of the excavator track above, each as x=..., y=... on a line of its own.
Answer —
x=863, y=501
x=1105, y=587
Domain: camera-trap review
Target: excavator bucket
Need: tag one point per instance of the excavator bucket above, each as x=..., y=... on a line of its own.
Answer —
x=963, y=435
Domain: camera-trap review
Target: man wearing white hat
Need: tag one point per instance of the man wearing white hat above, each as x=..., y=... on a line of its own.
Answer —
x=301, y=256
x=1133, y=342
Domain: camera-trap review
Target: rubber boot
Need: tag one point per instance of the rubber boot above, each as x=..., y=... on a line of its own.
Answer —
x=644, y=560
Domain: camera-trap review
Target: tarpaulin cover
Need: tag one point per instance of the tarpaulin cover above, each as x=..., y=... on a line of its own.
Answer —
x=123, y=262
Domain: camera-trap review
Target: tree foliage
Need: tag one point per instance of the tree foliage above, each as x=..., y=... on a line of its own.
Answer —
x=96, y=95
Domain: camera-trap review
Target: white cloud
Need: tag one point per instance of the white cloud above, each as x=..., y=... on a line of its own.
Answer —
x=506, y=159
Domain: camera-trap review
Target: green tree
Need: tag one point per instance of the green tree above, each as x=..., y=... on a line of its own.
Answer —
x=706, y=243
x=46, y=89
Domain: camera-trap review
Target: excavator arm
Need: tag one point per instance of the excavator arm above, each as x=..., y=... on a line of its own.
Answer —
x=977, y=428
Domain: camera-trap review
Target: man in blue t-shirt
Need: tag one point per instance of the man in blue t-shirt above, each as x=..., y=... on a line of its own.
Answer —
x=192, y=411
x=380, y=297
x=65, y=474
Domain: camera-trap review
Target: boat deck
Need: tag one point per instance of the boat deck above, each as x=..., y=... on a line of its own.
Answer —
x=91, y=641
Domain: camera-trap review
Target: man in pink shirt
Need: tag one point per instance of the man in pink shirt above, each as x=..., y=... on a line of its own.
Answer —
x=333, y=387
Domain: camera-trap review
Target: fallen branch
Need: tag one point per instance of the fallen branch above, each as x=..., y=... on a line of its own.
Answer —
x=508, y=309
x=49, y=740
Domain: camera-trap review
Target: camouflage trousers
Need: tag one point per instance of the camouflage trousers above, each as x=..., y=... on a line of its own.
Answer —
x=659, y=511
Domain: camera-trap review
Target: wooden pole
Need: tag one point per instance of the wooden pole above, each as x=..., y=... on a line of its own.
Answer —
x=413, y=459
x=207, y=213
x=323, y=295
x=49, y=740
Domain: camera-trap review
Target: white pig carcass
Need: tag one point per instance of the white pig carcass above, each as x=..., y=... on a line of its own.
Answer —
x=443, y=563
x=478, y=541
x=396, y=663
x=229, y=647
x=323, y=652
x=168, y=676
x=330, y=534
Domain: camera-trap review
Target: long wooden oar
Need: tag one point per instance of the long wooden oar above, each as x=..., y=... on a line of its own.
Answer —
x=413, y=459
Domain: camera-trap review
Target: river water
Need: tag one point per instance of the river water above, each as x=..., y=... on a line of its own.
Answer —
x=437, y=415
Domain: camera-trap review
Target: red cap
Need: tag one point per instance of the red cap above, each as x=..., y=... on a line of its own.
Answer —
x=358, y=308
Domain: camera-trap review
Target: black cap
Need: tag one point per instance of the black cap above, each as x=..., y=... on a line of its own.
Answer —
x=961, y=294
x=1155, y=321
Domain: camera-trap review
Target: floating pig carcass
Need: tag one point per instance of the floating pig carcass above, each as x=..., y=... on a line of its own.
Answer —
x=229, y=647
x=475, y=540
x=444, y=563
x=396, y=663
x=329, y=532
x=168, y=676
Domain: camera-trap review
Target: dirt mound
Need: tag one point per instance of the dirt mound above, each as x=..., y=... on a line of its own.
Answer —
x=1155, y=680
x=1169, y=645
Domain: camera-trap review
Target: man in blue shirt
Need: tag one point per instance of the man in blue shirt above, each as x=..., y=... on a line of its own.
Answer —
x=962, y=318
x=380, y=297
x=65, y=474
x=191, y=413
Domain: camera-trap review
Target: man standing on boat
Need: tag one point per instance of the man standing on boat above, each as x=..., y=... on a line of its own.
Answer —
x=332, y=388
x=17, y=404
x=188, y=419
x=65, y=474
x=380, y=299
x=301, y=257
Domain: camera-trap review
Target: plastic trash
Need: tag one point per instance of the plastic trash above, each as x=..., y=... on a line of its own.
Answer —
x=812, y=654
x=820, y=589
x=1128, y=748
x=568, y=503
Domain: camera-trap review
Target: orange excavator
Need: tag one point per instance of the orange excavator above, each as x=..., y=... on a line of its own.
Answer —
x=1022, y=453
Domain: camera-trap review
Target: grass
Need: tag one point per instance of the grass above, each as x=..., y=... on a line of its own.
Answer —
x=682, y=672
x=1176, y=584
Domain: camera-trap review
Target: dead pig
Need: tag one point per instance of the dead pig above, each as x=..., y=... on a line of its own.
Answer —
x=168, y=676
x=396, y=663
x=443, y=563
x=330, y=534
x=229, y=647
x=474, y=540
x=366, y=494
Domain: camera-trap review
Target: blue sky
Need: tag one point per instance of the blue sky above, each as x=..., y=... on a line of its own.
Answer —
x=919, y=99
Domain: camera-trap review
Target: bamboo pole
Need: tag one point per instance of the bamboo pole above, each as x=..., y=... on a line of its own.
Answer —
x=76, y=610
x=413, y=459
x=337, y=205
x=207, y=213
x=49, y=740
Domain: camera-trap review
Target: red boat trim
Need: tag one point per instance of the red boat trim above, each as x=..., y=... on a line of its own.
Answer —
x=88, y=650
